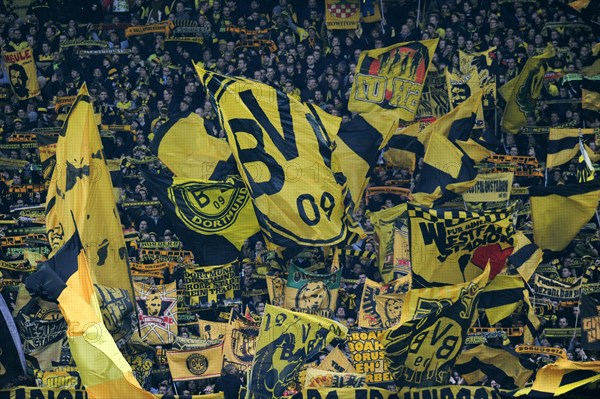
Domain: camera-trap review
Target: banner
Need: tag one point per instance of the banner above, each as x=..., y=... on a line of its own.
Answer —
x=590, y=321
x=450, y=392
x=312, y=293
x=336, y=361
x=276, y=287
x=590, y=92
x=283, y=151
x=368, y=357
x=462, y=86
x=157, y=310
x=316, y=378
x=196, y=364
x=117, y=309
x=491, y=187
x=381, y=304
x=212, y=330
x=240, y=344
x=347, y=393
x=340, y=14
x=548, y=288
x=563, y=145
x=451, y=247
x=422, y=351
x=541, y=350
x=57, y=379
x=286, y=340
x=482, y=63
x=162, y=27
x=212, y=285
x=22, y=73
x=392, y=78
x=42, y=393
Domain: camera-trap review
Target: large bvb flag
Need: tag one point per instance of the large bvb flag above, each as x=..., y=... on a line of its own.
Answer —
x=392, y=78
x=65, y=278
x=283, y=151
x=558, y=213
x=81, y=194
x=213, y=218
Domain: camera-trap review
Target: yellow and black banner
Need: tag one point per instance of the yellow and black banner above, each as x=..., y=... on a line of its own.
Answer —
x=342, y=14
x=368, y=357
x=196, y=364
x=490, y=187
x=462, y=86
x=392, y=78
x=42, y=393
x=283, y=151
x=590, y=93
x=452, y=247
x=240, y=344
x=116, y=308
x=57, y=379
x=565, y=209
x=541, y=350
x=302, y=336
x=316, y=378
x=590, y=321
x=482, y=64
x=422, y=351
x=157, y=306
x=346, y=393
x=554, y=290
x=212, y=285
x=161, y=27
x=563, y=145
x=337, y=361
x=22, y=73
x=212, y=330
x=312, y=293
x=381, y=304
x=450, y=392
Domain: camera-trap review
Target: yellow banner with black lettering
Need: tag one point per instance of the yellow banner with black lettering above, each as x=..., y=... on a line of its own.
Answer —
x=316, y=378
x=451, y=392
x=212, y=285
x=283, y=150
x=590, y=321
x=196, y=364
x=368, y=356
x=346, y=393
x=22, y=73
x=452, y=247
x=336, y=361
x=422, y=351
x=392, y=78
x=42, y=393
x=286, y=340
x=342, y=14
x=490, y=187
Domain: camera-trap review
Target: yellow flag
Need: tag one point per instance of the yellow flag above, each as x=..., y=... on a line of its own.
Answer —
x=22, y=73
x=563, y=145
x=342, y=14
x=286, y=340
x=392, y=78
x=337, y=361
x=81, y=193
x=196, y=364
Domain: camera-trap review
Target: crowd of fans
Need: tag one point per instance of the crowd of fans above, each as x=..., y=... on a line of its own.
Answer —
x=155, y=81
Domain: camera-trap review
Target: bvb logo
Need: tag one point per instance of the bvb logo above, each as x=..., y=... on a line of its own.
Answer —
x=207, y=209
x=196, y=364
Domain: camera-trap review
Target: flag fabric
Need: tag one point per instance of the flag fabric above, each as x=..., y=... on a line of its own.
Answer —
x=560, y=377
x=196, y=364
x=590, y=93
x=391, y=232
x=462, y=86
x=446, y=173
x=358, y=147
x=523, y=91
x=483, y=64
x=283, y=151
x=404, y=147
x=346, y=393
x=563, y=145
x=47, y=150
x=499, y=364
x=421, y=352
x=312, y=293
x=212, y=218
x=240, y=344
x=559, y=213
x=212, y=285
x=187, y=146
x=336, y=361
x=585, y=169
x=12, y=362
x=286, y=340
x=368, y=356
x=590, y=321
x=157, y=311
x=451, y=247
x=526, y=256
x=370, y=11
x=490, y=187
x=502, y=297
x=342, y=14
x=392, y=78
x=316, y=378
x=116, y=309
x=276, y=287
x=66, y=279
x=81, y=193
x=212, y=330
x=381, y=304
x=22, y=73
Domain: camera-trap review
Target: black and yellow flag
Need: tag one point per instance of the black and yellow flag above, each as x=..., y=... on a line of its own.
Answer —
x=212, y=285
x=284, y=153
x=337, y=361
x=346, y=393
x=391, y=232
x=381, y=304
x=404, y=147
x=585, y=169
x=22, y=73
x=499, y=364
x=522, y=92
x=187, y=146
x=342, y=14
x=358, y=146
x=482, y=63
x=558, y=213
x=590, y=93
x=462, y=86
x=526, y=256
x=81, y=193
x=312, y=293
x=563, y=145
x=422, y=351
x=66, y=278
x=286, y=340
x=212, y=218
x=240, y=344
x=450, y=246
x=392, y=78
x=196, y=364
x=590, y=320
